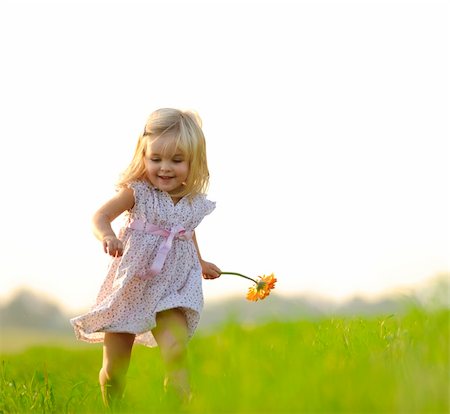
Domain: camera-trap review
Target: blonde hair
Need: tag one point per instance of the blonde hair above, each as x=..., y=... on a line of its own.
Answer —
x=185, y=127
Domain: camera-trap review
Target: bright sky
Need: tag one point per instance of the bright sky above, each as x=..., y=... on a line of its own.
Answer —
x=327, y=125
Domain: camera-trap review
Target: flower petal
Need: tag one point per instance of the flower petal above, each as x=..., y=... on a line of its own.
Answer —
x=252, y=294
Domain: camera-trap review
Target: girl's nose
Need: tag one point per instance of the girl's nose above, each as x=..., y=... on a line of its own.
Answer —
x=165, y=166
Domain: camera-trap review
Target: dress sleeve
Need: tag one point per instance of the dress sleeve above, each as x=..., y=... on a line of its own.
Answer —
x=141, y=194
x=204, y=207
x=138, y=189
x=201, y=208
x=208, y=206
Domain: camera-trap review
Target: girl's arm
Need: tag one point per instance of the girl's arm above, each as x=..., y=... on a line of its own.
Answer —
x=101, y=222
x=209, y=270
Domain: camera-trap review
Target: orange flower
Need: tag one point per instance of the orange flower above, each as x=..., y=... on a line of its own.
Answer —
x=262, y=288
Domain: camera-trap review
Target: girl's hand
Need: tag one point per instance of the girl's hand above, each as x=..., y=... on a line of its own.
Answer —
x=210, y=270
x=113, y=246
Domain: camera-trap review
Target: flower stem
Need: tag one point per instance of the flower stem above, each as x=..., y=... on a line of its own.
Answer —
x=239, y=274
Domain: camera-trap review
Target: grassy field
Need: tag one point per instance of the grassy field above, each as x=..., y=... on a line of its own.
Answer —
x=386, y=364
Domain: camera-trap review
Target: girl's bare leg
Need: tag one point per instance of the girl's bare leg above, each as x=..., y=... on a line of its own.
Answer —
x=171, y=334
x=116, y=359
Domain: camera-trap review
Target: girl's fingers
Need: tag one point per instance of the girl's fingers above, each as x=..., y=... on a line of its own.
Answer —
x=117, y=250
x=212, y=274
x=113, y=248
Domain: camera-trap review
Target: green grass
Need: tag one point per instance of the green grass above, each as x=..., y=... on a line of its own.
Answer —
x=387, y=364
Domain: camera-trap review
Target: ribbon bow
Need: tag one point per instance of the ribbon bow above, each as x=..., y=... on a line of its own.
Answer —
x=176, y=231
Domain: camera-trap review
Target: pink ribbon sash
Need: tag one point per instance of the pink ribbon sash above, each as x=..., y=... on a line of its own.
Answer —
x=176, y=231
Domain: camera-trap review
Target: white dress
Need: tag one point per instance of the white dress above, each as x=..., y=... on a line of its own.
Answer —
x=128, y=303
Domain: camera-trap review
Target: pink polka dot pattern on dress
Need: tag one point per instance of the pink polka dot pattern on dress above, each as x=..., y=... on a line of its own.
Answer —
x=126, y=303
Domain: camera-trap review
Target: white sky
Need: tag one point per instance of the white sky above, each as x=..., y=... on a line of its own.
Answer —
x=327, y=125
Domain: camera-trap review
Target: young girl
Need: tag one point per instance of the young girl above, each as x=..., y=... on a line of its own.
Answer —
x=152, y=293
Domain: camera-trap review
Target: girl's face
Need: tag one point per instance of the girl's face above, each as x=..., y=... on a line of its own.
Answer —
x=167, y=167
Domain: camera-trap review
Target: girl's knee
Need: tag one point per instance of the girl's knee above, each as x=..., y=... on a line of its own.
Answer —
x=112, y=369
x=174, y=352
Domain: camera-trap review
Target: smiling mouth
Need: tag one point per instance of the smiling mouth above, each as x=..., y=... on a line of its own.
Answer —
x=164, y=177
